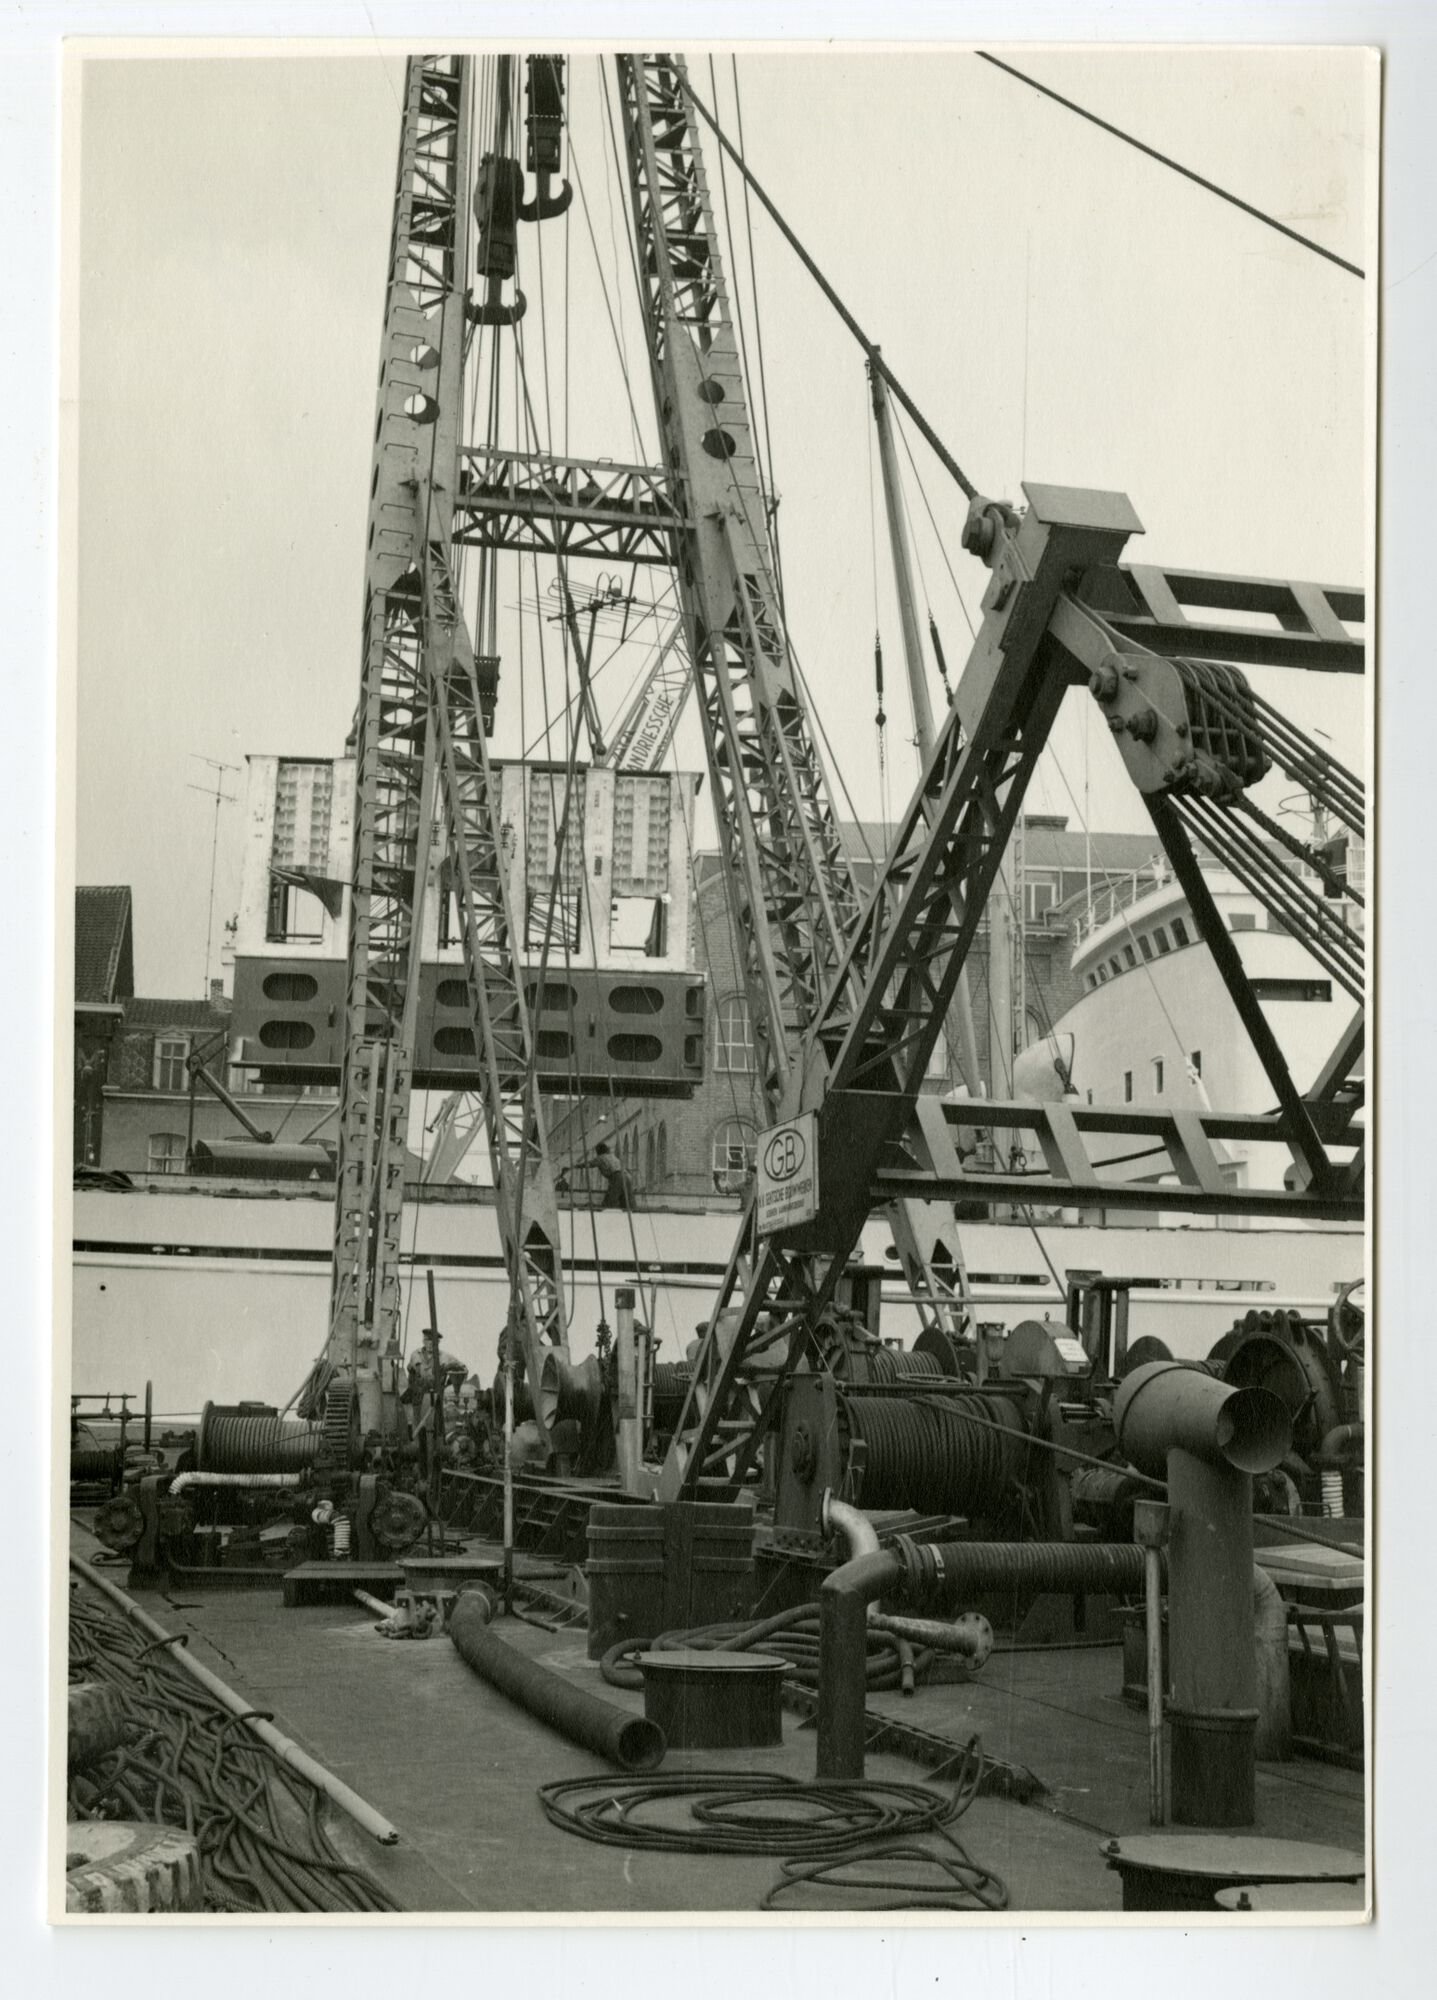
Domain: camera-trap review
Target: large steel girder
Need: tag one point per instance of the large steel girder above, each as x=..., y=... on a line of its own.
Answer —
x=868, y=1049
x=1310, y=621
x=393, y=768
x=781, y=837
x=944, y=858
x=1186, y=1173
x=539, y=504
x=790, y=882
x=646, y=729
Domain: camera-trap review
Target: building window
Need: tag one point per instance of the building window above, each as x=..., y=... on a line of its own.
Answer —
x=553, y=920
x=733, y=1036
x=303, y=802
x=641, y=835
x=303, y=797
x=638, y=923
x=1157, y=1076
x=1090, y=980
x=171, y=1052
x=1242, y=920
x=167, y=1153
x=1040, y=893
x=295, y=916
x=1160, y=939
x=661, y=1163
x=544, y=812
x=1130, y=957
x=649, y=1157
x=1145, y=945
x=735, y=1151
x=1180, y=932
x=1195, y=1062
x=1127, y=1086
x=1114, y=967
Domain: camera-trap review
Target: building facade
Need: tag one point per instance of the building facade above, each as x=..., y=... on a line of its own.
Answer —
x=154, y=1113
x=706, y=1146
x=600, y=884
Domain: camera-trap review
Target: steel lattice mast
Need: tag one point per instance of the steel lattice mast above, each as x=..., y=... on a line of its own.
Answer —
x=794, y=899
x=421, y=757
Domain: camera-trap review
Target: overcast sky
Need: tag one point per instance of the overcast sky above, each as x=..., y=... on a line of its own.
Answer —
x=1062, y=308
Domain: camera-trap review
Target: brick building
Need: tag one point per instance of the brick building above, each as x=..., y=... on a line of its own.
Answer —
x=134, y=1110
x=705, y=1145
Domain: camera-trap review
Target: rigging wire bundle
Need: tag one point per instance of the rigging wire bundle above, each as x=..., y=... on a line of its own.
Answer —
x=189, y=1763
x=818, y=1830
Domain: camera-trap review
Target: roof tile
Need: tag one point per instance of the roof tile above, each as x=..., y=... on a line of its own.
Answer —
x=104, y=953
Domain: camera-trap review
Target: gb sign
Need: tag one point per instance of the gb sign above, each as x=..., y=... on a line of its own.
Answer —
x=788, y=1174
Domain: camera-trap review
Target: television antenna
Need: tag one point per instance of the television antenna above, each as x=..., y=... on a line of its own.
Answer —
x=213, y=790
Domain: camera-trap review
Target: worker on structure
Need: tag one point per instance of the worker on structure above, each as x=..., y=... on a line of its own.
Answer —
x=617, y=1192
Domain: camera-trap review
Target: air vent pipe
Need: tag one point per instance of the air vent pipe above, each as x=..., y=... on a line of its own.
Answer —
x=1209, y=1439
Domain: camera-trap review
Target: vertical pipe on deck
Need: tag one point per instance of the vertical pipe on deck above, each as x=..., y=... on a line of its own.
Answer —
x=630, y=1442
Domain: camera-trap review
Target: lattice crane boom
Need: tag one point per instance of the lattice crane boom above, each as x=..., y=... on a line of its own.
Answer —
x=866, y=1053
x=421, y=765
x=792, y=892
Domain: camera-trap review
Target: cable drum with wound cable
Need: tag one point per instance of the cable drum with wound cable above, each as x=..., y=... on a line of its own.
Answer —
x=93, y=1465
x=927, y=1453
x=878, y=1364
x=253, y=1439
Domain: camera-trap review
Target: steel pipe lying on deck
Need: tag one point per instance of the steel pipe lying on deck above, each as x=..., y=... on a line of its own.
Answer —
x=284, y=1747
x=630, y=1741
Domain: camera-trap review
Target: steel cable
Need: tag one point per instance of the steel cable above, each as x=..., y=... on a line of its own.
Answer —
x=262, y=1842
x=925, y=1452
x=814, y=1829
x=791, y=1636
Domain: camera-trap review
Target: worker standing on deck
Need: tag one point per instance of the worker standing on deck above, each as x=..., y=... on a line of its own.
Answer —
x=617, y=1192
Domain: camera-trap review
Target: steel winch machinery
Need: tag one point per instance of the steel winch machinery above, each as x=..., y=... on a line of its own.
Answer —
x=103, y=1451
x=253, y=1491
x=1030, y=1450
x=915, y=1431
x=1318, y=1368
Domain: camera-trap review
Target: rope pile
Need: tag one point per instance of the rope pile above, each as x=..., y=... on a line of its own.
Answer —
x=190, y=1763
x=819, y=1831
x=891, y=1662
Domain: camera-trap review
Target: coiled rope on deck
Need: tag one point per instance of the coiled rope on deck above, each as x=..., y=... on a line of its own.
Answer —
x=817, y=1830
x=189, y=1763
x=792, y=1636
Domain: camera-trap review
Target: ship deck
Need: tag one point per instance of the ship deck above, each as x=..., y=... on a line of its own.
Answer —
x=456, y=1767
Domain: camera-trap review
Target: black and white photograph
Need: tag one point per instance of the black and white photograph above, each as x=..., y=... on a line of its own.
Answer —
x=716, y=841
